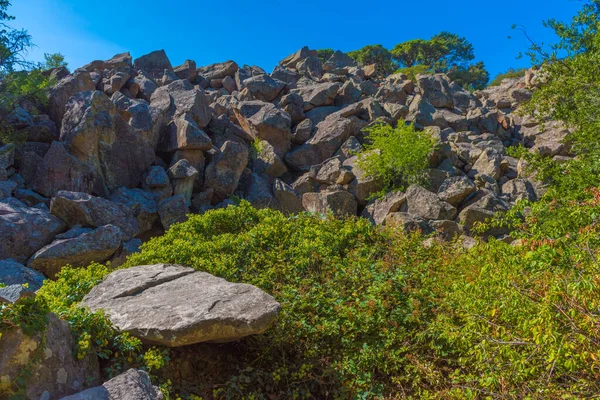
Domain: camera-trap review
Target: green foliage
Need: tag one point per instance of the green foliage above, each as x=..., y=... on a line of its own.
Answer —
x=324, y=54
x=474, y=77
x=412, y=72
x=511, y=73
x=397, y=156
x=375, y=54
x=54, y=60
x=444, y=53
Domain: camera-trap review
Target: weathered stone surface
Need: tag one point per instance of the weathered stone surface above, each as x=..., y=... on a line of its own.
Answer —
x=173, y=210
x=160, y=305
x=292, y=60
x=130, y=385
x=266, y=122
x=187, y=70
x=64, y=90
x=223, y=173
x=456, y=189
x=153, y=64
x=258, y=192
x=95, y=133
x=379, y=209
x=13, y=273
x=183, y=175
x=328, y=138
x=127, y=249
x=339, y=202
x=6, y=189
x=141, y=204
x=339, y=60
x=23, y=230
x=318, y=95
x=267, y=162
x=427, y=205
x=488, y=164
x=219, y=70
x=97, y=245
x=408, y=222
x=61, y=171
x=76, y=208
x=263, y=87
x=436, y=89
x=289, y=200
x=57, y=373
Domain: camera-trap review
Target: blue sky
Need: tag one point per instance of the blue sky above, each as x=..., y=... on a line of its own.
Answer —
x=263, y=32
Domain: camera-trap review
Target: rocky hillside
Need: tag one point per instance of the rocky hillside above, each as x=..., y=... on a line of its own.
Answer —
x=129, y=147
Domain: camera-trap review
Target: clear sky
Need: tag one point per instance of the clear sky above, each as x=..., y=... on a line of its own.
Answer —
x=262, y=32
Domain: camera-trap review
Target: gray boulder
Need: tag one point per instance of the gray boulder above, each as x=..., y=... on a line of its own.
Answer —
x=425, y=204
x=223, y=173
x=153, y=64
x=130, y=385
x=173, y=305
x=173, y=210
x=265, y=121
x=13, y=273
x=339, y=202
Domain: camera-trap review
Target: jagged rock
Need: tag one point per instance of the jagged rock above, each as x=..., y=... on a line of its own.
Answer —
x=173, y=210
x=328, y=138
x=408, y=222
x=425, y=204
x=61, y=171
x=456, y=189
x=480, y=211
x=130, y=385
x=263, y=87
x=223, y=173
x=349, y=93
x=448, y=230
x=76, y=208
x=219, y=70
x=140, y=203
x=487, y=164
x=95, y=133
x=519, y=189
x=6, y=189
x=153, y=64
x=266, y=122
x=258, y=192
x=23, y=230
x=318, y=95
x=157, y=183
x=289, y=200
x=57, y=373
x=183, y=175
x=160, y=305
x=29, y=197
x=126, y=249
x=379, y=209
x=267, y=161
x=65, y=89
x=98, y=245
x=339, y=202
x=187, y=70
x=363, y=186
x=292, y=60
x=339, y=60
x=310, y=67
x=305, y=184
x=436, y=90
x=332, y=171
x=13, y=294
x=180, y=98
x=302, y=131
x=146, y=86
x=13, y=273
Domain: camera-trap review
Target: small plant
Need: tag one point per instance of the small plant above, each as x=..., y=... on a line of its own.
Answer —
x=397, y=156
x=512, y=73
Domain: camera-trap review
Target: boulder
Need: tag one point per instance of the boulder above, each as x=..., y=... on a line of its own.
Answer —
x=219, y=70
x=140, y=203
x=427, y=205
x=65, y=89
x=292, y=60
x=61, y=171
x=76, y=208
x=263, y=87
x=329, y=136
x=267, y=162
x=339, y=202
x=488, y=164
x=187, y=70
x=97, y=245
x=160, y=305
x=95, y=133
x=322, y=94
x=456, y=189
x=173, y=210
x=127, y=249
x=56, y=374
x=407, y=222
x=153, y=64
x=339, y=60
x=13, y=273
x=223, y=172
x=258, y=192
x=183, y=176
x=436, y=90
x=6, y=189
x=23, y=230
x=130, y=385
x=289, y=200
x=377, y=210
x=265, y=121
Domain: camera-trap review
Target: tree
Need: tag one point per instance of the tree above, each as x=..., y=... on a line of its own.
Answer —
x=324, y=54
x=54, y=60
x=375, y=54
x=444, y=53
x=22, y=82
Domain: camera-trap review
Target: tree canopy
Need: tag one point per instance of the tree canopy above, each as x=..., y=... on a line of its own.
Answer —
x=375, y=54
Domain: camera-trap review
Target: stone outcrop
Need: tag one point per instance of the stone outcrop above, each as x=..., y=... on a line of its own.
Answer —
x=173, y=305
x=130, y=385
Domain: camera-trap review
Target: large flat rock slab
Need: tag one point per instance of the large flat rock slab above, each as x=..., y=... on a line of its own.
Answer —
x=173, y=305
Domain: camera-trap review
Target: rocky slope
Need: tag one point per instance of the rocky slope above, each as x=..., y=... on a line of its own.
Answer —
x=128, y=147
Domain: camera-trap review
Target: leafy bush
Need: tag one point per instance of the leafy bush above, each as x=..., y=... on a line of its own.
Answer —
x=412, y=72
x=397, y=156
x=375, y=54
x=512, y=73
x=324, y=54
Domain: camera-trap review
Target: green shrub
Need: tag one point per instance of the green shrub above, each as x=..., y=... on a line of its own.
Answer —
x=324, y=54
x=412, y=72
x=397, y=156
x=512, y=73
